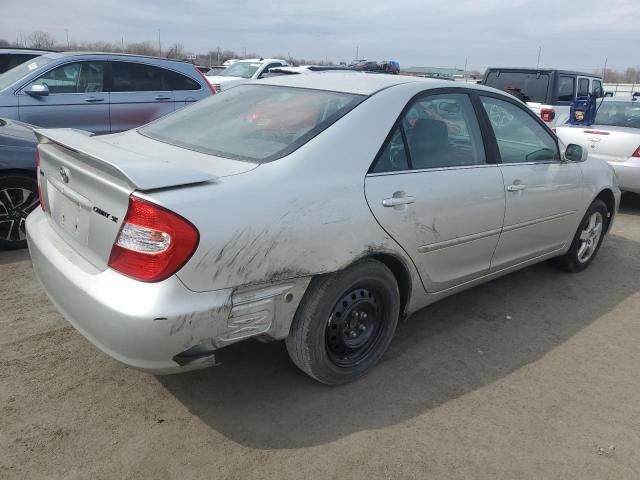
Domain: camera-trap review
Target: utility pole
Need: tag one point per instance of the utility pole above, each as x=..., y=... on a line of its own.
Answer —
x=604, y=70
x=539, y=53
x=465, y=69
x=218, y=56
x=66, y=30
x=159, y=45
x=357, y=52
x=123, y=43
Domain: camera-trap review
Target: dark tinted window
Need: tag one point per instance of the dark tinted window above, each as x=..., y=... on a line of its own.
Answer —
x=583, y=87
x=528, y=86
x=520, y=137
x=253, y=122
x=79, y=77
x=566, y=88
x=597, y=84
x=138, y=77
x=8, y=61
x=394, y=157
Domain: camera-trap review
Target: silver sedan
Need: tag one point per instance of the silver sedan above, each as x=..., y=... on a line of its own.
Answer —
x=318, y=209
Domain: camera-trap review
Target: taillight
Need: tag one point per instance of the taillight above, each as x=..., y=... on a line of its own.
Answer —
x=547, y=114
x=153, y=242
x=38, y=175
x=204, y=77
x=636, y=154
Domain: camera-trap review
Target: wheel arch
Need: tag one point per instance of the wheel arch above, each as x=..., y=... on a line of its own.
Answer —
x=609, y=200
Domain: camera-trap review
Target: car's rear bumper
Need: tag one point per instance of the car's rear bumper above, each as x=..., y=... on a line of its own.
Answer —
x=144, y=325
x=628, y=174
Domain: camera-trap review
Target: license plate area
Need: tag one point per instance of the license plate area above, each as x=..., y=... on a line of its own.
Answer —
x=70, y=212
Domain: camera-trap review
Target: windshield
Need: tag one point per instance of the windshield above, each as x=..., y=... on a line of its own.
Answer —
x=257, y=123
x=215, y=71
x=11, y=76
x=619, y=114
x=528, y=86
x=241, y=69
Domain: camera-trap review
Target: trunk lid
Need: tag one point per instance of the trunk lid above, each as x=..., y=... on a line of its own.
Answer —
x=612, y=144
x=86, y=182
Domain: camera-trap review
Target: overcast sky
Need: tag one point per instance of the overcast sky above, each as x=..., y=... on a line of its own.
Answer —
x=572, y=33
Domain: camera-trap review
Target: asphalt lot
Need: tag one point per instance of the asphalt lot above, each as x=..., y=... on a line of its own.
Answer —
x=534, y=375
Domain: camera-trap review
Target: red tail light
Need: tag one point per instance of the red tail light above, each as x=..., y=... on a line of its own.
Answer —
x=636, y=154
x=38, y=175
x=204, y=77
x=547, y=114
x=153, y=242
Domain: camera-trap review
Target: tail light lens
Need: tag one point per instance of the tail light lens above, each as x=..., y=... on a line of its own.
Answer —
x=153, y=242
x=636, y=154
x=547, y=114
x=204, y=77
x=38, y=175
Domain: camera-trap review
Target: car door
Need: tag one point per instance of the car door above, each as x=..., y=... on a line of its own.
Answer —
x=77, y=98
x=185, y=90
x=266, y=68
x=434, y=191
x=140, y=93
x=543, y=193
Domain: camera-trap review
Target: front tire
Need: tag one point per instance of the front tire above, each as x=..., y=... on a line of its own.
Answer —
x=587, y=240
x=18, y=198
x=345, y=322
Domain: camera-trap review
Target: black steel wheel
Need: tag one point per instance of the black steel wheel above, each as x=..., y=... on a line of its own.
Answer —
x=345, y=322
x=18, y=198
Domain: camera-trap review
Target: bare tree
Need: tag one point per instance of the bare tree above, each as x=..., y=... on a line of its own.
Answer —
x=40, y=39
x=4, y=43
x=176, y=51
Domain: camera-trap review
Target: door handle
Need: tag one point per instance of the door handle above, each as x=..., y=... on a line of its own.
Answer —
x=160, y=97
x=397, y=201
x=93, y=99
x=516, y=188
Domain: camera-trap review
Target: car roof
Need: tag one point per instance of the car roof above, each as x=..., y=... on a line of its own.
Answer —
x=358, y=83
x=622, y=98
x=546, y=70
x=20, y=50
x=111, y=54
x=260, y=60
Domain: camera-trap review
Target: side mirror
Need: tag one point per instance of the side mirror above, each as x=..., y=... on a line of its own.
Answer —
x=37, y=91
x=598, y=92
x=575, y=153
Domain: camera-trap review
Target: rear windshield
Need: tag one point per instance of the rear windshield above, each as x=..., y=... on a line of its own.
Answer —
x=527, y=86
x=619, y=114
x=256, y=123
x=241, y=69
x=11, y=76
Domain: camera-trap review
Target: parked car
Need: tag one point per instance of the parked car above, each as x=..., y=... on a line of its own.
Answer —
x=289, y=70
x=18, y=192
x=614, y=137
x=98, y=92
x=318, y=209
x=12, y=57
x=547, y=92
x=244, y=71
x=215, y=70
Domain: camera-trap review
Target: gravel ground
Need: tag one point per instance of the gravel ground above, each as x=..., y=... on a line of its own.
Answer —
x=534, y=375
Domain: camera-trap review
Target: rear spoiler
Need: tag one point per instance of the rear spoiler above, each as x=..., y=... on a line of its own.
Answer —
x=140, y=172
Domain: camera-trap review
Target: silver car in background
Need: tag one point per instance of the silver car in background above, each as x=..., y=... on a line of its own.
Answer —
x=318, y=209
x=614, y=137
x=98, y=92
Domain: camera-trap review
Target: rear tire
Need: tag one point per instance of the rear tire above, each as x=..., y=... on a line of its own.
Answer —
x=345, y=322
x=18, y=198
x=587, y=240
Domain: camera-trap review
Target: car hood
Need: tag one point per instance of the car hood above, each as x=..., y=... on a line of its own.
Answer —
x=219, y=80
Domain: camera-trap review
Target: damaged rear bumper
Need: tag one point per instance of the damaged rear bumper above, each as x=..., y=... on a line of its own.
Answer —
x=158, y=327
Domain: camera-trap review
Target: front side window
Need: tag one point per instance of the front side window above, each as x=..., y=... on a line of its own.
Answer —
x=583, y=87
x=79, y=77
x=520, y=137
x=13, y=75
x=566, y=88
x=256, y=123
x=597, y=88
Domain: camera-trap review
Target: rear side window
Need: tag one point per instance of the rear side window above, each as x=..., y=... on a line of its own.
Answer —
x=78, y=77
x=583, y=87
x=528, y=86
x=256, y=123
x=566, y=88
x=138, y=77
x=520, y=137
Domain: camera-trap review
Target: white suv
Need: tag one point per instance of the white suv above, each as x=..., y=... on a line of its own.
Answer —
x=244, y=71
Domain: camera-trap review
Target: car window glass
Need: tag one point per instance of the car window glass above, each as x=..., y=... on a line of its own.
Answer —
x=79, y=77
x=566, y=88
x=520, y=137
x=442, y=131
x=137, y=77
x=394, y=157
x=597, y=84
x=583, y=87
x=178, y=81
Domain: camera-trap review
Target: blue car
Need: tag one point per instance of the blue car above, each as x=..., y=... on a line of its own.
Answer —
x=98, y=92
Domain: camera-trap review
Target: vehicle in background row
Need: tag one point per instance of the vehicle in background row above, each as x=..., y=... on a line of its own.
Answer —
x=613, y=137
x=547, y=92
x=313, y=208
x=12, y=57
x=215, y=70
x=98, y=92
x=290, y=70
x=244, y=71
x=18, y=191
x=229, y=62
